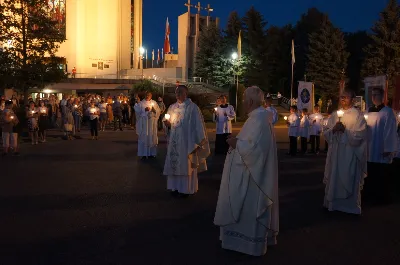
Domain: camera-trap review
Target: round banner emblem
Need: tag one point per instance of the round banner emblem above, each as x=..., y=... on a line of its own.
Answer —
x=305, y=96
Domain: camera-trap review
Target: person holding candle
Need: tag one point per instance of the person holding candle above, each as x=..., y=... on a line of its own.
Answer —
x=94, y=114
x=272, y=110
x=148, y=113
x=293, y=122
x=188, y=145
x=43, y=120
x=223, y=117
x=8, y=123
x=247, y=210
x=103, y=115
x=382, y=147
x=346, y=162
x=316, y=120
x=304, y=130
x=78, y=114
x=32, y=120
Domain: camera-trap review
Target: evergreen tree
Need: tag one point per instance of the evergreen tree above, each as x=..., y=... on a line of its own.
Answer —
x=327, y=60
x=234, y=25
x=383, y=54
x=278, y=58
x=254, y=35
x=33, y=37
x=356, y=43
x=212, y=60
x=308, y=24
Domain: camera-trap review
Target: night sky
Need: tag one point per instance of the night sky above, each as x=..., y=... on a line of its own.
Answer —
x=349, y=15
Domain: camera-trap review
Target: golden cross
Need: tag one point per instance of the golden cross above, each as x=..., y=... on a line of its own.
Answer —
x=209, y=9
x=189, y=5
x=198, y=7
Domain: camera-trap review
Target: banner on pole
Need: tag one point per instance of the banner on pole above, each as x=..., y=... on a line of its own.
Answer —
x=306, y=96
x=373, y=82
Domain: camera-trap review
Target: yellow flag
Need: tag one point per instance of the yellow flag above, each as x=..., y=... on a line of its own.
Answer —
x=239, y=45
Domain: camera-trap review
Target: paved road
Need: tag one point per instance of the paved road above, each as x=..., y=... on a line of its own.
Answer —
x=93, y=202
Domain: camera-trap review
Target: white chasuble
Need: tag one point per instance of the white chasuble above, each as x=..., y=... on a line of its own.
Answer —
x=382, y=135
x=146, y=127
x=248, y=209
x=346, y=162
x=188, y=147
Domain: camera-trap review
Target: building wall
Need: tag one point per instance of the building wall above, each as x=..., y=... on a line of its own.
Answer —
x=168, y=74
x=98, y=34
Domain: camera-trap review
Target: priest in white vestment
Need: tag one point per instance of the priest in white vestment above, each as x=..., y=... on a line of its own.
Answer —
x=248, y=209
x=188, y=146
x=382, y=147
x=346, y=162
x=147, y=113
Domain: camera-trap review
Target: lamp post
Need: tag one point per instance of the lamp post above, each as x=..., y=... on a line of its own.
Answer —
x=141, y=51
x=235, y=74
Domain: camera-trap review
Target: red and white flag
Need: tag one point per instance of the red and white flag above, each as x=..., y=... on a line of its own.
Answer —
x=167, y=45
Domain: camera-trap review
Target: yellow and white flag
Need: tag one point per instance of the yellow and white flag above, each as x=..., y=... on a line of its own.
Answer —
x=239, y=45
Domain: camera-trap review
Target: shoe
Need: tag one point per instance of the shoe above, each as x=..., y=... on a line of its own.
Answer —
x=92, y=137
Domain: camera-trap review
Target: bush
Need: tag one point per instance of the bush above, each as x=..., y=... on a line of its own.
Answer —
x=207, y=114
x=143, y=87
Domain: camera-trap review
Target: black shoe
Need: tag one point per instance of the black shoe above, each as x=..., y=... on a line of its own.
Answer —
x=174, y=193
x=182, y=195
x=143, y=158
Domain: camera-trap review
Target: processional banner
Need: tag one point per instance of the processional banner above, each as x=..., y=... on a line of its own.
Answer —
x=371, y=83
x=305, y=95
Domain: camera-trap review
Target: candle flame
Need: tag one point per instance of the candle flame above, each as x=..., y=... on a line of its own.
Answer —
x=340, y=113
x=167, y=116
x=285, y=118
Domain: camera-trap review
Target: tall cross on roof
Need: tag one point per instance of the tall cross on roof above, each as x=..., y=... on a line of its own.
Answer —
x=189, y=5
x=198, y=7
x=209, y=9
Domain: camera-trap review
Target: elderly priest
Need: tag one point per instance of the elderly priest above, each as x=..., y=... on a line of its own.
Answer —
x=247, y=209
x=188, y=145
x=346, y=162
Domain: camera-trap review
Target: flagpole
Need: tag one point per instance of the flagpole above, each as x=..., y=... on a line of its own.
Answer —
x=291, y=87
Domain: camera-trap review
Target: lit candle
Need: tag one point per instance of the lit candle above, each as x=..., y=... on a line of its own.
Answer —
x=12, y=117
x=340, y=114
x=33, y=111
x=167, y=116
x=92, y=110
x=76, y=106
x=366, y=116
x=113, y=101
x=215, y=109
x=285, y=118
x=125, y=101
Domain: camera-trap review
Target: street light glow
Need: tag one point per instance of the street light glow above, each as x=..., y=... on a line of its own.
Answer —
x=234, y=56
x=141, y=50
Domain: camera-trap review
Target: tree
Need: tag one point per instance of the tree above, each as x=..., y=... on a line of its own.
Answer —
x=383, y=54
x=254, y=35
x=145, y=86
x=212, y=59
x=308, y=24
x=278, y=56
x=356, y=44
x=33, y=37
x=327, y=59
x=231, y=33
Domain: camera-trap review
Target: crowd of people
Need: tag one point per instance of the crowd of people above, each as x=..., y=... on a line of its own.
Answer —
x=362, y=149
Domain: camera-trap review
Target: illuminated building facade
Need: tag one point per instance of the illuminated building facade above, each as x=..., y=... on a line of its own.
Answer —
x=102, y=36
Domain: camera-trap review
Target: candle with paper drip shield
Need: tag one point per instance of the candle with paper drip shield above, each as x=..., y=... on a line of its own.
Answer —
x=167, y=117
x=12, y=117
x=92, y=110
x=285, y=118
x=366, y=117
x=340, y=114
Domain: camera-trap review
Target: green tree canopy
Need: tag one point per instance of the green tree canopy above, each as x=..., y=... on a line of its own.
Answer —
x=327, y=59
x=33, y=39
x=383, y=54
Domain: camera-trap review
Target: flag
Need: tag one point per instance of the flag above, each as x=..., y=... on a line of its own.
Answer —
x=152, y=55
x=239, y=45
x=167, y=46
x=162, y=54
x=146, y=54
x=293, y=56
x=158, y=55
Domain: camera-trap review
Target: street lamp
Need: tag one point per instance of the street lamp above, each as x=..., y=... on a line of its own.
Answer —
x=141, y=52
x=236, y=74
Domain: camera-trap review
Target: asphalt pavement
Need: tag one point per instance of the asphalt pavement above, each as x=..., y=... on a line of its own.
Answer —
x=94, y=202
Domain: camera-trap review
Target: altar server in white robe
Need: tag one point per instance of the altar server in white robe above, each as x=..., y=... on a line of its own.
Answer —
x=382, y=147
x=147, y=113
x=224, y=114
x=316, y=120
x=188, y=145
x=346, y=162
x=272, y=110
x=248, y=210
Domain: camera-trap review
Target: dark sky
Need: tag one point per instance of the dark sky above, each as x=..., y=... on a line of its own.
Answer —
x=349, y=15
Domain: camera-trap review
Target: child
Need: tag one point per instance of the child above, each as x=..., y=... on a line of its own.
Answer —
x=316, y=120
x=293, y=123
x=304, y=130
x=8, y=121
